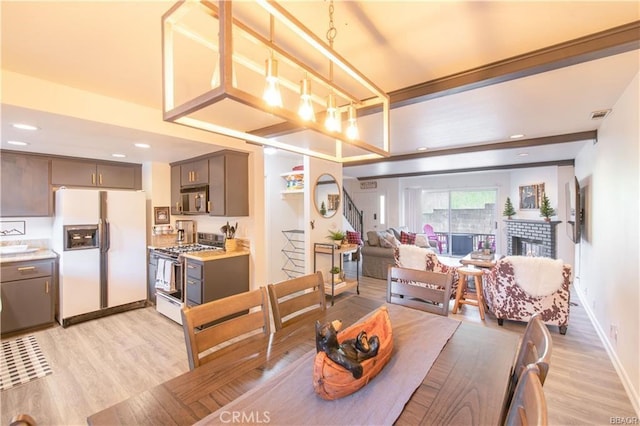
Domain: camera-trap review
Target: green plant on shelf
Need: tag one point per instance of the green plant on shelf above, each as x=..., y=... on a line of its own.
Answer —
x=335, y=270
x=337, y=236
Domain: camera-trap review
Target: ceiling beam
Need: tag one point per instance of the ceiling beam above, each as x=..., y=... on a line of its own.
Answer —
x=521, y=143
x=473, y=169
x=591, y=47
x=584, y=49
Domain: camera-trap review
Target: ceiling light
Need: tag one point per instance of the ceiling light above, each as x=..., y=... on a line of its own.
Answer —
x=516, y=136
x=142, y=145
x=118, y=155
x=230, y=38
x=269, y=150
x=23, y=126
x=18, y=143
x=422, y=148
x=305, y=110
x=523, y=154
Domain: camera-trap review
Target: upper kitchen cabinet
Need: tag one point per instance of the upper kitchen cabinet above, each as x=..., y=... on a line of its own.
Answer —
x=194, y=173
x=176, y=199
x=229, y=184
x=89, y=173
x=25, y=186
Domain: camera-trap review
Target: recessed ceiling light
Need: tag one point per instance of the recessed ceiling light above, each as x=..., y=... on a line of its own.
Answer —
x=516, y=136
x=142, y=145
x=523, y=154
x=118, y=155
x=19, y=143
x=422, y=148
x=23, y=126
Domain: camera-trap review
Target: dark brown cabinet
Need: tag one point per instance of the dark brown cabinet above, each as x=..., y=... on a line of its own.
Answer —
x=229, y=184
x=89, y=173
x=215, y=279
x=28, y=290
x=194, y=173
x=25, y=186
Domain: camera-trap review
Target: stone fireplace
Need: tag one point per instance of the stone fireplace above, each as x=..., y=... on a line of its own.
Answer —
x=531, y=238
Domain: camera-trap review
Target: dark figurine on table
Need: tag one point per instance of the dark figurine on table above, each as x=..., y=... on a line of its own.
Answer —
x=349, y=353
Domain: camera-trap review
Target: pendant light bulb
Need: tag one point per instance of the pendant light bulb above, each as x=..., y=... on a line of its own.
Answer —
x=333, y=121
x=352, y=124
x=305, y=110
x=272, y=94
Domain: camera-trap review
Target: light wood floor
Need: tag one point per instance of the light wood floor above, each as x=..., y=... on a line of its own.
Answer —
x=101, y=362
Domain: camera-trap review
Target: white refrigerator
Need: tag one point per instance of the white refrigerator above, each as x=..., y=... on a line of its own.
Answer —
x=107, y=267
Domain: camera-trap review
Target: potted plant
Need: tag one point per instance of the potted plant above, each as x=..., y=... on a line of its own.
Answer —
x=335, y=272
x=337, y=237
x=546, y=210
x=508, y=209
x=486, y=246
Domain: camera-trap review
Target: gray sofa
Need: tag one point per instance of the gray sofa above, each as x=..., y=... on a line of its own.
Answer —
x=377, y=256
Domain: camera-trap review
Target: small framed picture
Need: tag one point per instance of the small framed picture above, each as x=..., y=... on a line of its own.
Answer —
x=161, y=216
x=531, y=196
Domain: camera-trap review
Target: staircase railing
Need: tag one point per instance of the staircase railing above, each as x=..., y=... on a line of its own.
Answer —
x=351, y=212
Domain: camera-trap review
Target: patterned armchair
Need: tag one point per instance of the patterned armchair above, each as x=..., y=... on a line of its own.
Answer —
x=432, y=263
x=519, y=286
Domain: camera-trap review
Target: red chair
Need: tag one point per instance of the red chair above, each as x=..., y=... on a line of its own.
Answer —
x=431, y=235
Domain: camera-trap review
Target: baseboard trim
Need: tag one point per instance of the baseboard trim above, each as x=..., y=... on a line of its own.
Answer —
x=622, y=374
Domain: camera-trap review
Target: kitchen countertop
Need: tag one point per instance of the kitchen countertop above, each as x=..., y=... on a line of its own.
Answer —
x=206, y=255
x=22, y=257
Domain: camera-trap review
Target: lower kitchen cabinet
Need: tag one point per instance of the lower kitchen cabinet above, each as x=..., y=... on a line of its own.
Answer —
x=28, y=294
x=214, y=279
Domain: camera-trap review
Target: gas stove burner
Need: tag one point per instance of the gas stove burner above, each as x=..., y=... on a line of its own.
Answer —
x=186, y=248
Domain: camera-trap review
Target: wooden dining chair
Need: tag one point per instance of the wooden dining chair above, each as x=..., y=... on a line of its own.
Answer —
x=528, y=407
x=535, y=349
x=228, y=320
x=293, y=297
x=424, y=290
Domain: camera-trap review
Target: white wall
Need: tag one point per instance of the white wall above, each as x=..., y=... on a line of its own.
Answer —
x=282, y=211
x=609, y=255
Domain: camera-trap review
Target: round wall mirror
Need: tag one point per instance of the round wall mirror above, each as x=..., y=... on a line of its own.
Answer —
x=326, y=195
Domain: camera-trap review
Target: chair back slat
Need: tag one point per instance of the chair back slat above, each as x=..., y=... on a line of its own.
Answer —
x=529, y=406
x=424, y=290
x=295, y=296
x=235, y=317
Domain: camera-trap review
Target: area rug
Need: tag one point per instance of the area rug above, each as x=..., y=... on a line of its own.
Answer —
x=21, y=361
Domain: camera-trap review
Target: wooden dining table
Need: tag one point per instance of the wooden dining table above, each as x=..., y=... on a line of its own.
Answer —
x=466, y=385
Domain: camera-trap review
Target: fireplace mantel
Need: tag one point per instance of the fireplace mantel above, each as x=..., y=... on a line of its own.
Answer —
x=553, y=222
x=540, y=231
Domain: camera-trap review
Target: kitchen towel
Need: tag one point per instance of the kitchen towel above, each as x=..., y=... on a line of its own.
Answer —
x=165, y=279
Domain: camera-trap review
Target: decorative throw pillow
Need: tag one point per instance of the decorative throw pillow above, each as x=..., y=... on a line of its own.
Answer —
x=372, y=239
x=385, y=243
x=392, y=240
x=407, y=237
x=354, y=238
